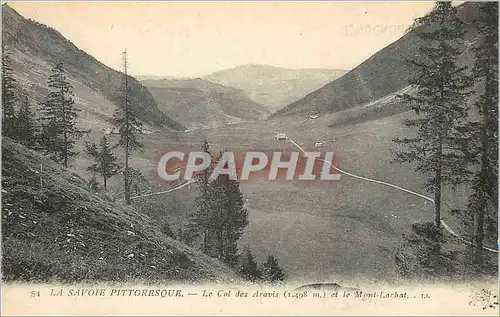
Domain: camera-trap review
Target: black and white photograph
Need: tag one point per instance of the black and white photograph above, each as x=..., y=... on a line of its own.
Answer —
x=249, y=158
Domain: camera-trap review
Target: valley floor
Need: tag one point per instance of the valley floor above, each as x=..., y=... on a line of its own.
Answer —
x=348, y=229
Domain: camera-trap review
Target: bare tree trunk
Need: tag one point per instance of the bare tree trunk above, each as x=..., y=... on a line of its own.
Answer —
x=484, y=174
x=65, y=133
x=437, y=191
x=127, y=132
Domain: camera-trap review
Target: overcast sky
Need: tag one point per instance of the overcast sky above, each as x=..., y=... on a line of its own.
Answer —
x=192, y=39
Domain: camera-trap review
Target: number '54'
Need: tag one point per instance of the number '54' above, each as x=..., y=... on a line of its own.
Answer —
x=34, y=294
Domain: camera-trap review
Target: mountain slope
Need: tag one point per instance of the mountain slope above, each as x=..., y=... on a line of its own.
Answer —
x=36, y=48
x=200, y=103
x=384, y=73
x=54, y=228
x=274, y=87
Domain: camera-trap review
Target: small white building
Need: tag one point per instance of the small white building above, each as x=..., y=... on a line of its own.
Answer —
x=115, y=130
x=281, y=136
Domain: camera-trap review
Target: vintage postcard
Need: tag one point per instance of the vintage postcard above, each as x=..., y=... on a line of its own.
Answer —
x=249, y=158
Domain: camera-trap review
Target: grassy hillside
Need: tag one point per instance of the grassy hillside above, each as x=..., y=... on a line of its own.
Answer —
x=200, y=103
x=55, y=229
x=384, y=73
x=36, y=48
x=274, y=87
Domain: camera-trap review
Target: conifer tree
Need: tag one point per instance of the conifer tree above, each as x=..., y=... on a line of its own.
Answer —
x=128, y=127
x=9, y=96
x=249, y=267
x=220, y=217
x=104, y=160
x=25, y=122
x=483, y=202
x=230, y=218
x=272, y=271
x=442, y=88
x=138, y=183
x=59, y=131
x=93, y=185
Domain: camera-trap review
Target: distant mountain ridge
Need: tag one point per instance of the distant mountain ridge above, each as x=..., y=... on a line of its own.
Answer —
x=156, y=77
x=383, y=73
x=274, y=87
x=36, y=48
x=198, y=103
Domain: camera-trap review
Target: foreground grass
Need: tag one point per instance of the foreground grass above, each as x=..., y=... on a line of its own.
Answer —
x=55, y=229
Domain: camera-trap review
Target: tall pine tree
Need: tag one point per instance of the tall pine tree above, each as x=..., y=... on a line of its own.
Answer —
x=104, y=160
x=483, y=202
x=200, y=223
x=220, y=217
x=230, y=218
x=9, y=96
x=249, y=267
x=58, y=115
x=128, y=127
x=442, y=88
